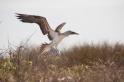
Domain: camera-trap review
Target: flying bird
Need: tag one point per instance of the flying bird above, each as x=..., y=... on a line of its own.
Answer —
x=54, y=35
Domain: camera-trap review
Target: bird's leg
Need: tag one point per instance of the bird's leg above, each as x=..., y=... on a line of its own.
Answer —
x=58, y=52
x=51, y=50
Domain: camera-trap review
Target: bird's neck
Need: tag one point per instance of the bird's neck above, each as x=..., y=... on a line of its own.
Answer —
x=57, y=40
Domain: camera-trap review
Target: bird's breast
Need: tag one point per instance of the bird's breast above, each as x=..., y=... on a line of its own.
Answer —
x=53, y=34
x=57, y=39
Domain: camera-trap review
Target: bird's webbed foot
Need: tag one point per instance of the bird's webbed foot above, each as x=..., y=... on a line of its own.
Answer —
x=58, y=52
x=51, y=50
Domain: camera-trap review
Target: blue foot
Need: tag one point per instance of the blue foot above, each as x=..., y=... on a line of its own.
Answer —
x=51, y=50
x=58, y=52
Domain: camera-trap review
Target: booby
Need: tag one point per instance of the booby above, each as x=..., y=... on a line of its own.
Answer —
x=55, y=36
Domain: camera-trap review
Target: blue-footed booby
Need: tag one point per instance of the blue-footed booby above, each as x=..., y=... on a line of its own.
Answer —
x=55, y=36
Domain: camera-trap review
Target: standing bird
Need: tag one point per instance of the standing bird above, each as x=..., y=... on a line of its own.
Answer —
x=55, y=36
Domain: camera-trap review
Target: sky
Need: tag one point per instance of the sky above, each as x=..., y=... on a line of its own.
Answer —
x=95, y=21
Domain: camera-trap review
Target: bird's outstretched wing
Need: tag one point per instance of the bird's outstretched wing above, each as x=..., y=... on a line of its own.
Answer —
x=41, y=21
x=58, y=29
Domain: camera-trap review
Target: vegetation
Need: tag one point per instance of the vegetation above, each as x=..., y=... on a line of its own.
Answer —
x=84, y=63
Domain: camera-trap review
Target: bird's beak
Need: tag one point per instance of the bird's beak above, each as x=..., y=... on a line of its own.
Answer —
x=74, y=33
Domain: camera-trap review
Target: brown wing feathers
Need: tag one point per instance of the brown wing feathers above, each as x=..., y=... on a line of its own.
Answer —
x=41, y=21
x=58, y=29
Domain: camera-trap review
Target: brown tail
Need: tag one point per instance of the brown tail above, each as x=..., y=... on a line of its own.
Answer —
x=44, y=49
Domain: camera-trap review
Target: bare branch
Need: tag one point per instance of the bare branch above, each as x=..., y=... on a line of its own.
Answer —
x=29, y=38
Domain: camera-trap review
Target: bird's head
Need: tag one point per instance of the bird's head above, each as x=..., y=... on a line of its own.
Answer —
x=67, y=33
x=74, y=33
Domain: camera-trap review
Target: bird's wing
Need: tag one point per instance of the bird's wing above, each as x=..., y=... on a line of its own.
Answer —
x=58, y=29
x=41, y=21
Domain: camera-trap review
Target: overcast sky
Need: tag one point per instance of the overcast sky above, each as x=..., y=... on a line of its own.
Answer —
x=94, y=20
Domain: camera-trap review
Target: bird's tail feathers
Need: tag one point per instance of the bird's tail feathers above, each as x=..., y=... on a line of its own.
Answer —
x=44, y=49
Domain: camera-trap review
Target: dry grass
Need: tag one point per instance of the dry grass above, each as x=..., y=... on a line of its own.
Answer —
x=84, y=63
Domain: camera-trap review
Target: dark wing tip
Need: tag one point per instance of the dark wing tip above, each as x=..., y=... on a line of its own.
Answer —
x=40, y=20
x=17, y=14
x=25, y=18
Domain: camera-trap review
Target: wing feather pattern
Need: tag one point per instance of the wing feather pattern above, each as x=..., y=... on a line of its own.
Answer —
x=58, y=29
x=41, y=21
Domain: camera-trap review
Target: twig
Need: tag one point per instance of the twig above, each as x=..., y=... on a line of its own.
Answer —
x=25, y=42
x=29, y=38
